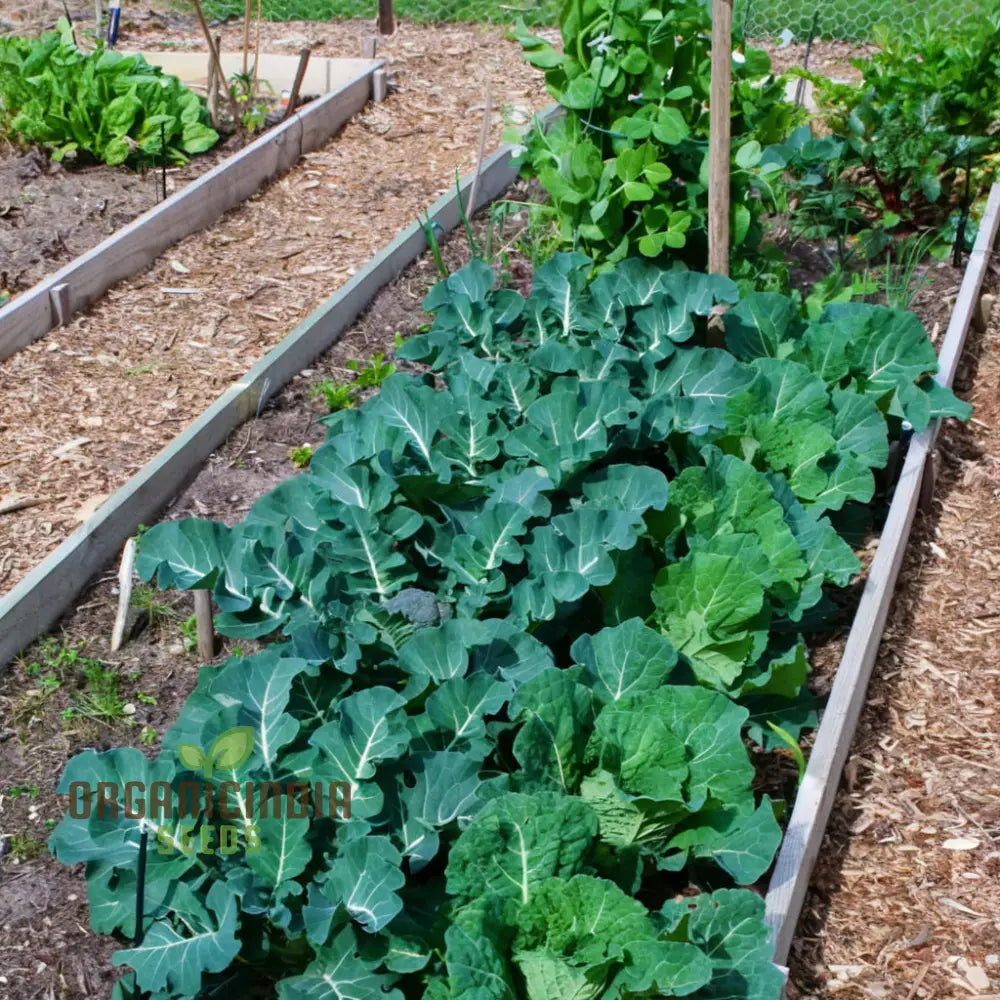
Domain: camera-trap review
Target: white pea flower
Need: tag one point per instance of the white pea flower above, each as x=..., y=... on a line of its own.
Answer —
x=739, y=58
x=637, y=98
x=601, y=44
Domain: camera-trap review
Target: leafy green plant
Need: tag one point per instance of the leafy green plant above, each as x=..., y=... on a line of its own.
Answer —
x=300, y=456
x=254, y=111
x=527, y=607
x=626, y=167
x=158, y=611
x=189, y=634
x=924, y=114
x=100, y=104
x=367, y=375
x=371, y=374
x=337, y=395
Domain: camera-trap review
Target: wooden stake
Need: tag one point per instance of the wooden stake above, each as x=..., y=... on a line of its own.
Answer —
x=206, y=625
x=300, y=72
x=246, y=34
x=386, y=18
x=220, y=76
x=124, y=594
x=719, y=137
x=483, y=136
x=256, y=48
x=213, y=85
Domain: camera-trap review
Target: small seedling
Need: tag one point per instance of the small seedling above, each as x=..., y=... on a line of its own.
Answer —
x=373, y=374
x=337, y=395
x=300, y=456
x=797, y=755
x=17, y=791
x=189, y=633
x=149, y=736
x=23, y=847
x=253, y=115
x=140, y=370
x=145, y=698
x=101, y=698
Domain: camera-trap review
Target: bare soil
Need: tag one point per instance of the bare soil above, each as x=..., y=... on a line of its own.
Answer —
x=52, y=212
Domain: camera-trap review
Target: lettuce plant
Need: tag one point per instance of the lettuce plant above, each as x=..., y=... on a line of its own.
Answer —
x=102, y=104
x=525, y=608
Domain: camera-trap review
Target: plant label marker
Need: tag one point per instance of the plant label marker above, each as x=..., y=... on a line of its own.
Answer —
x=114, y=17
x=124, y=594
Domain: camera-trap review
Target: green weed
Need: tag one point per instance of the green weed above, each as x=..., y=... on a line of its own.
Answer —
x=157, y=611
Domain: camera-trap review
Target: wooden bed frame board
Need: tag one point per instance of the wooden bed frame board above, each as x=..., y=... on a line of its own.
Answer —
x=800, y=847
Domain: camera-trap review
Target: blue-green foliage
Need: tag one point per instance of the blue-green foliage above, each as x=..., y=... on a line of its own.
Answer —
x=620, y=529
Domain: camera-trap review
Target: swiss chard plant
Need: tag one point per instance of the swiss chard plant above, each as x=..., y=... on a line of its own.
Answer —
x=626, y=167
x=923, y=118
x=522, y=610
x=102, y=104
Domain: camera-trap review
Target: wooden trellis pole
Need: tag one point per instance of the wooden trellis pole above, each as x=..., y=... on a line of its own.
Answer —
x=386, y=17
x=719, y=136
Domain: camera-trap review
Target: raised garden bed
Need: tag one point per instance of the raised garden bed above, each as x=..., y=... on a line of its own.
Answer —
x=133, y=370
x=186, y=554
x=57, y=297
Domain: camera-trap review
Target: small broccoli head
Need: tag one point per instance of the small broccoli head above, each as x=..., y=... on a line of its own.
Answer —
x=421, y=607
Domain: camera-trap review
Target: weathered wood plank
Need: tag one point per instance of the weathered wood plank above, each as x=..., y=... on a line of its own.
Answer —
x=804, y=836
x=32, y=315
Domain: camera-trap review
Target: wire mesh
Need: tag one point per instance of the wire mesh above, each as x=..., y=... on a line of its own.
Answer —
x=789, y=20
x=849, y=20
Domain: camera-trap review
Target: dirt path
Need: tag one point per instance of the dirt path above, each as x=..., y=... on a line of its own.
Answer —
x=87, y=406
x=905, y=902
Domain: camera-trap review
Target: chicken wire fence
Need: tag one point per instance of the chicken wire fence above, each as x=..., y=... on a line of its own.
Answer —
x=775, y=20
x=849, y=20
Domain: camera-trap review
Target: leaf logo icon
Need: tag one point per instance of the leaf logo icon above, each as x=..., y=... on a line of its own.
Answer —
x=228, y=752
